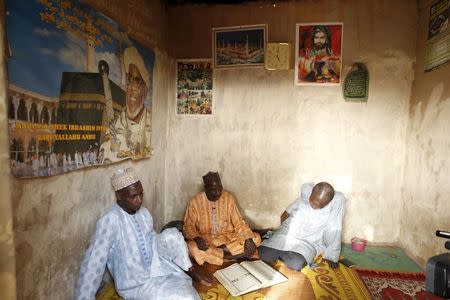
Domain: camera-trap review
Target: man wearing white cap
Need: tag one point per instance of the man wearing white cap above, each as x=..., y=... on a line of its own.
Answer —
x=130, y=134
x=143, y=264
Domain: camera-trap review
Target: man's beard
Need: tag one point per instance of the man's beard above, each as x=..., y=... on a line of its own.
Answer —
x=135, y=113
x=320, y=46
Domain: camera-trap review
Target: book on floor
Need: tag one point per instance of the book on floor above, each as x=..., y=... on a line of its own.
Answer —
x=248, y=276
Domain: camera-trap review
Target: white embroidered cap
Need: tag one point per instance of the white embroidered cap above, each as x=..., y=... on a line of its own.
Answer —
x=123, y=178
x=131, y=56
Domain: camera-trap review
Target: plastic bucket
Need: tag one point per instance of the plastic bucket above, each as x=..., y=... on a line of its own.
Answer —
x=358, y=244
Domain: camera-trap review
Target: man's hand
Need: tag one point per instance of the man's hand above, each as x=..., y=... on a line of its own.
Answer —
x=249, y=247
x=197, y=273
x=332, y=264
x=201, y=244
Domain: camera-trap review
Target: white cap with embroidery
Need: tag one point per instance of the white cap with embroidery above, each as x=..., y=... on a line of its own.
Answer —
x=123, y=178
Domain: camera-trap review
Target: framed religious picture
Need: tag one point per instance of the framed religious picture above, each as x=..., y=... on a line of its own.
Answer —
x=318, y=53
x=194, y=87
x=239, y=46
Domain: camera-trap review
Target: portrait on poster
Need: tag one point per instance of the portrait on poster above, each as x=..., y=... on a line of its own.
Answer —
x=239, y=46
x=194, y=87
x=80, y=89
x=318, y=54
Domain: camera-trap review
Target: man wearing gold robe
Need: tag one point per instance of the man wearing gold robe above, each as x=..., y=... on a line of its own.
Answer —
x=214, y=228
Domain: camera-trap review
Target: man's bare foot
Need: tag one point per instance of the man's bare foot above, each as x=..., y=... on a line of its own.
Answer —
x=237, y=256
x=197, y=274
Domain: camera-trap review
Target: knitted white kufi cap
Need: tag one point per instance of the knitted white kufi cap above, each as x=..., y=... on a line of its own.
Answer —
x=123, y=178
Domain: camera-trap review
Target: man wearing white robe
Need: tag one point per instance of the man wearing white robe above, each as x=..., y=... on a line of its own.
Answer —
x=310, y=226
x=144, y=265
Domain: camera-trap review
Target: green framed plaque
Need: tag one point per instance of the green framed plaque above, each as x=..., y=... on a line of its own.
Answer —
x=356, y=84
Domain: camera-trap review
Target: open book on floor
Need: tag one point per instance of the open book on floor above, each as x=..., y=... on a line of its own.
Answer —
x=248, y=276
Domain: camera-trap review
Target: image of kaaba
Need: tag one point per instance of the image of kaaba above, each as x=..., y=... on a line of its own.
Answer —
x=82, y=106
x=81, y=109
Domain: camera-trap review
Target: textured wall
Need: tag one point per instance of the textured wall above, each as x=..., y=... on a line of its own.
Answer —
x=55, y=217
x=426, y=193
x=7, y=255
x=267, y=137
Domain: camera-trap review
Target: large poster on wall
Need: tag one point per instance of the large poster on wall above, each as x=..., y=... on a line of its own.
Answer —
x=318, y=53
x=80, y=89
x=438, y=42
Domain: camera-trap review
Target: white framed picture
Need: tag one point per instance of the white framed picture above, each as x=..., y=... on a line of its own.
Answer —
x=318, y=54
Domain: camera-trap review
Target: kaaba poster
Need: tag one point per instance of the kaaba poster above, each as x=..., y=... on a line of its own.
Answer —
x=80, y=89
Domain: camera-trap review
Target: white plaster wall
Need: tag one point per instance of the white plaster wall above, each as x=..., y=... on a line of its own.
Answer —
x=426, y=192
x=267, y=137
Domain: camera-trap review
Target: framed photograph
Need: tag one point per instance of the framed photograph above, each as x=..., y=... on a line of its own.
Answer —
x=194, y=87
x=318, y=53
x=239, y=46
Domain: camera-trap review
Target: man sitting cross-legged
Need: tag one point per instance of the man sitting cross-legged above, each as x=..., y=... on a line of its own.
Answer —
x=310, y=226
x=144, y=265
x=214, y=227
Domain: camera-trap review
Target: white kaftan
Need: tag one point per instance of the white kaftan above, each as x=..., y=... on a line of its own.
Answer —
x=143, y=264
x=309, y=231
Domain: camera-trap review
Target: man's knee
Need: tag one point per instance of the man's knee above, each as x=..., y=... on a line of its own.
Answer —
x=171, y=236
x=169, y=240
x=293, y=260
x=268, y=254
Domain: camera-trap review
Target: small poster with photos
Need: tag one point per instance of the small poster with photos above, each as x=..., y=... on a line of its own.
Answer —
x=194, y=87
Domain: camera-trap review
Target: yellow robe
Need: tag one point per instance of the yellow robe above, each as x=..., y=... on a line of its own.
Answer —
x=218, y=223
